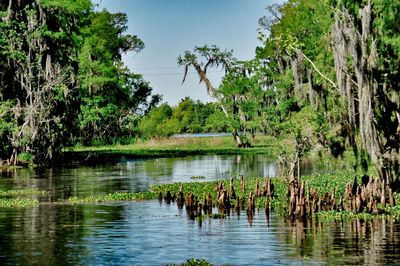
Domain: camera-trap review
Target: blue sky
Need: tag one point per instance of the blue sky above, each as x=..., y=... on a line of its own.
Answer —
x=169, y=27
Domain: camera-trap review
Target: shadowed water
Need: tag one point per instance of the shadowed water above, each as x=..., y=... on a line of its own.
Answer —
x=150, y=233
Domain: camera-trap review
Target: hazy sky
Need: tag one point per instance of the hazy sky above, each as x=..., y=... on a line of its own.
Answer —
x=169, y=27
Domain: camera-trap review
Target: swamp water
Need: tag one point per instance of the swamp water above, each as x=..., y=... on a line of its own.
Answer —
x=154, y=233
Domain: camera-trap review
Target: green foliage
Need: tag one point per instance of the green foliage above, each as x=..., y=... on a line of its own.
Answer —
x=68, y=6
x=196, y=262
x=18, y=203
x=16, y=198
x=63, y=80
x=242, y=97
x=8, y=126
x=22, y=192
x=216, y=122
x=25, y=158
x=153, y=124
x=118, y=196
x=299, y=62
x=218, y=56
x=112, y=96
x=37, y=63
x=187, y=117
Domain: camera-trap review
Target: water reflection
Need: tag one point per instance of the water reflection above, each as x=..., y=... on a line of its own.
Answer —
x=134, y=175
x=150, y=233
x=38, y=235
x=355, y=242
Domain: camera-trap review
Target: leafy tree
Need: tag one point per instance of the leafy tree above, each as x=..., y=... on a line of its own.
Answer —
x=341, y=58
x=237, y=96
x=187, y=117
x=38, y=62
x=242, y=94
x=192, y=115
x=216, y=122
x=157, y=122
x=298, y=64
x=62, y=78
x=111, y=96
x=8, y=127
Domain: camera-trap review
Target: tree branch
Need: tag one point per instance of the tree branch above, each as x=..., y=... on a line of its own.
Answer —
x=317, y=70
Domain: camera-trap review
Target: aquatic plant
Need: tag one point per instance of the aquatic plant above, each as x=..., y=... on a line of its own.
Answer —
x=196, y=262
x=22, y=192
x=18, y=203
x=218, y=216
x=117, y=196
x=251, y=193
x=198, y=177
x=13, y=198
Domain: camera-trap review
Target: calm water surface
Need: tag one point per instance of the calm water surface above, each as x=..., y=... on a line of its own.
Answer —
x=153, y=233
x=136, y=174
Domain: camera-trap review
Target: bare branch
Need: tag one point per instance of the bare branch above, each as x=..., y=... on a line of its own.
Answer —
x=186, y=71
x=319, y=72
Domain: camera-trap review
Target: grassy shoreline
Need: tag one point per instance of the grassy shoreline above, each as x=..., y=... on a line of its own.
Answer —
x=174, y=147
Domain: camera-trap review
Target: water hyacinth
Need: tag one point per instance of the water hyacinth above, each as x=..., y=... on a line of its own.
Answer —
x=18, y=203
x=197, y=177
x=16, y=198
x=22, y=192
x=118, y=196
x=196, y=262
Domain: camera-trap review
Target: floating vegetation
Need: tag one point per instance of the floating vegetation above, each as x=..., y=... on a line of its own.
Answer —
x=359, y=198
x=22, y=192
x=196, y=262
x=12, y=198
x=18, y=203
x=212, y=192
x=320, y=196
x=198, y=177
x=344, y=216
x=118, y=196
x=218, y=216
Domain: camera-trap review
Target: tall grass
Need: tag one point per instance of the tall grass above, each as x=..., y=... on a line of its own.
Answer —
x=182, y=146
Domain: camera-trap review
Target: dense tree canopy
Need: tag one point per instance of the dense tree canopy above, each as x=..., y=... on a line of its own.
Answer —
x=341, y=59
x=187, y=117
x=62, y=77
x=325, y=75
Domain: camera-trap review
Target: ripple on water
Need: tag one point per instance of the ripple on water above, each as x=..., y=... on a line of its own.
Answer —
x=146, y=232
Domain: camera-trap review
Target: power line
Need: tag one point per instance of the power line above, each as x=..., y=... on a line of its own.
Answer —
x=173, y=74
x=164, y=67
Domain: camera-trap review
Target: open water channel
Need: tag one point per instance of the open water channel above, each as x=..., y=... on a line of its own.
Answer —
x=153, y=233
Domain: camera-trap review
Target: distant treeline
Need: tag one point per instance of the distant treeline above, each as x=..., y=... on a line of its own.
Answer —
x=187, y=117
